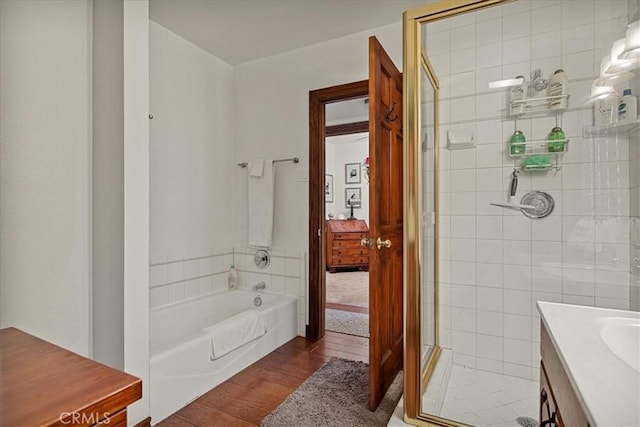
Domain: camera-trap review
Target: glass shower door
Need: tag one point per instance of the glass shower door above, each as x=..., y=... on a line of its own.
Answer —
x=428, y=216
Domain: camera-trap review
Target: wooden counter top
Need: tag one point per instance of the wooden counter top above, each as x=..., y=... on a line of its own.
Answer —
x=42, y=384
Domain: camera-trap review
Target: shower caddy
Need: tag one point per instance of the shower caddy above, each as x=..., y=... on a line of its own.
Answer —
x=535, y=204
x=535, y=107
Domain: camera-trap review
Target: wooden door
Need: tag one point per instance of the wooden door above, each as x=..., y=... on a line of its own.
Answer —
x=385, y=218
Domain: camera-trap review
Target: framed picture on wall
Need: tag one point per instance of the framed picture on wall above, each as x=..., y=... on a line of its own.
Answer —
x=352, y=173
x=328, y=188
x=352, y=197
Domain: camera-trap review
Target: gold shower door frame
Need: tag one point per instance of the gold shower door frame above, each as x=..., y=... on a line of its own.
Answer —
x=416, y=61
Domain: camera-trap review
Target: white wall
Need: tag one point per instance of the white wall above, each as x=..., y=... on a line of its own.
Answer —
x=495, y=263
x=45, y=170
x=330, y=168
x=192, y=162
x=272, y=121
x=108, y=184
x=136, y=200
x=342, y=153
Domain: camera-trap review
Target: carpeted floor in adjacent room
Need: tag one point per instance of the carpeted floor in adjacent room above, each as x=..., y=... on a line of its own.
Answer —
x=347, y=300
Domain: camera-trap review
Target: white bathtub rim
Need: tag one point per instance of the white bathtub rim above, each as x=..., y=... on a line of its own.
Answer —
x=167, y=349
x=210, y=294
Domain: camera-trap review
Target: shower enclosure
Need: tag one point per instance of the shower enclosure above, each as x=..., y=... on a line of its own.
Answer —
x=476, y=263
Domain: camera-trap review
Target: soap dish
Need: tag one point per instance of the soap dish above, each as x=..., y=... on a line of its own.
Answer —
x=536, y=162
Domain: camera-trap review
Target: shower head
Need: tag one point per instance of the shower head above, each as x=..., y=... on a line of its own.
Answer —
x=542, y=204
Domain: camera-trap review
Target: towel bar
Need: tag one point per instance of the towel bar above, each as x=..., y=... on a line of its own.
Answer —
x=292, y=159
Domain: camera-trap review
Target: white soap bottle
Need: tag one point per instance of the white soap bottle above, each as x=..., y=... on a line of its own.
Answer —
x=516, y=98
x=627, y=107
x=232, y=278
x=558, y=89
x=606, y=111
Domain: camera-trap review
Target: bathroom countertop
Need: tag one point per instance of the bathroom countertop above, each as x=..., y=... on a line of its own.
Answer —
x=608, y=388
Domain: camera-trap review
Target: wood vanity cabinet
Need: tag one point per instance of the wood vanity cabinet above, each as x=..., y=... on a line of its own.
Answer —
x=42, y=384
x=343, y=244
x=559, y=405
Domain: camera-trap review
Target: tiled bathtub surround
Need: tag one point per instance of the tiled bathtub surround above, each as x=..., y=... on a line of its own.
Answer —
x=178, y=280
x=496, y=263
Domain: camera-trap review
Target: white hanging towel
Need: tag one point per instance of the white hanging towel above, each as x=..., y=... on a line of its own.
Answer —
x=261, y=192
x=234, y=332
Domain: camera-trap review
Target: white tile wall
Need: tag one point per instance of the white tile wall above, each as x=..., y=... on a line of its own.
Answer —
x=634, y=202
x=177, y=280
x=618, y=278
x=172, y=281
x=495, y=264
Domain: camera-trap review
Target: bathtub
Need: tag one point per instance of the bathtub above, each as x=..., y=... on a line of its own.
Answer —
x=181, y=368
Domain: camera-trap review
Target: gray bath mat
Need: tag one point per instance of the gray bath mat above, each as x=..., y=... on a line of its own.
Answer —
x=527, y=422
x=346, y=322
x=336, y=395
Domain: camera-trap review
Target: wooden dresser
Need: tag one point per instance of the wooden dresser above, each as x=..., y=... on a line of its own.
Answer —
x=343, y=244
x=42, y=384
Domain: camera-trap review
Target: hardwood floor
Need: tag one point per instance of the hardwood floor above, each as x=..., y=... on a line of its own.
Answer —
x=250, y=395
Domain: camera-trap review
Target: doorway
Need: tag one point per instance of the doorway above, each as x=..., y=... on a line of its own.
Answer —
x=383, y=241
x=347, y=217
x=318, y=100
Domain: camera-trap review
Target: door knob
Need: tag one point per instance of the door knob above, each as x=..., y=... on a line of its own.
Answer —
x=366, y=243
x=385, y=243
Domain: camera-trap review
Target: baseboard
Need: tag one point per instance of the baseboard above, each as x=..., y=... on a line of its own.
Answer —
x=144, y=423
x=347, y=307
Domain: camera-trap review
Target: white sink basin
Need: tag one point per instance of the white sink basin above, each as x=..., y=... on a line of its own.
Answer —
x=622, y=336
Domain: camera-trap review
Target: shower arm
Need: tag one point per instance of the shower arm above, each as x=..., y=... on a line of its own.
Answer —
x=512, y=205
